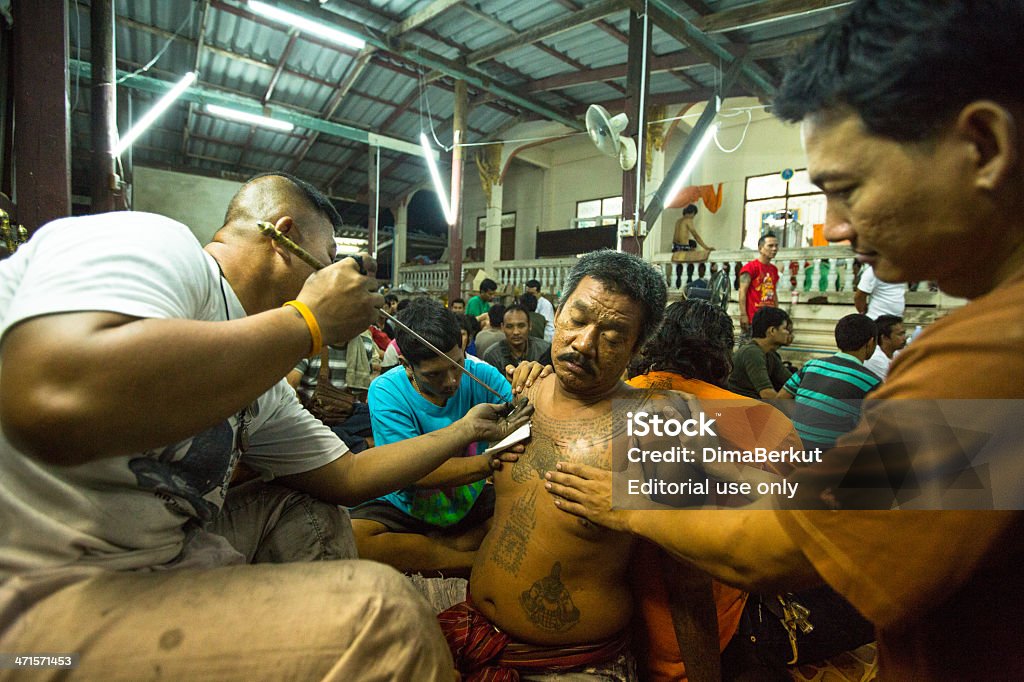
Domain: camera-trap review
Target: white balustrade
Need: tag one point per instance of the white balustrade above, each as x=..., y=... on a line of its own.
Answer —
x=802, y=266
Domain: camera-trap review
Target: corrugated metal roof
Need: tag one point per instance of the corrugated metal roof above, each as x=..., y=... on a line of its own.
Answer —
x=244, y=54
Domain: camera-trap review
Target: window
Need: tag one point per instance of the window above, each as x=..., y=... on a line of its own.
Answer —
x=769, y=197
x=595, y=212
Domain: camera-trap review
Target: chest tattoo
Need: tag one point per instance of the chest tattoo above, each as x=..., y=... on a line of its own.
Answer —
x=510, y=547
x=548, y=604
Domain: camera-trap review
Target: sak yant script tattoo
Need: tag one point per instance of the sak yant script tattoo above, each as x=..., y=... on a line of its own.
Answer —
x=540, y=458
x=511, y=544
x=577, y=440
x=548, y=604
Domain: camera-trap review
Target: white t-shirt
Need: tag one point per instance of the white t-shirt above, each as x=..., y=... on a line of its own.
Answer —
x=133, y=511
x=545, y=308
x=878, y=363
x=885, y=298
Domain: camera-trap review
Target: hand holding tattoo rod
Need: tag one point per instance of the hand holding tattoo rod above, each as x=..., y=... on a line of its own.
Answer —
x=271, y=231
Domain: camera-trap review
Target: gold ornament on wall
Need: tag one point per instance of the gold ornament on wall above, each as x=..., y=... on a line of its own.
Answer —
x=488, y=163
x=655, y=136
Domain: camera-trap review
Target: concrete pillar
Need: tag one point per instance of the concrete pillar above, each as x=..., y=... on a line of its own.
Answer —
x=455, y=230
x=655, y=233
x=372, y=198
x=492, y=243
x=398, y=248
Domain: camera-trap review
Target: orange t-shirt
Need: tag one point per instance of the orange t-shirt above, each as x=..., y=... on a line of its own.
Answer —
x=745, y=423
x=942, y=588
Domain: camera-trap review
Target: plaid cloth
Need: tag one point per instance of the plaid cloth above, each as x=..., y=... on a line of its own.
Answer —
x=483, y=653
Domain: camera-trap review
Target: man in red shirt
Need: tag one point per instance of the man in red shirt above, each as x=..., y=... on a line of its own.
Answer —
x=759, y=280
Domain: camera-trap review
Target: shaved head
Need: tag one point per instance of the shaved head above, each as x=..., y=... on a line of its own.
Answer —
x=272, y=195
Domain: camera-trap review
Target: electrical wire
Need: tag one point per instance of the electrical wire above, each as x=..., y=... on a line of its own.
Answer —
x=160, y=53
x=743, y=137
x=430, y=118
x=520, y=139
x=732, y=112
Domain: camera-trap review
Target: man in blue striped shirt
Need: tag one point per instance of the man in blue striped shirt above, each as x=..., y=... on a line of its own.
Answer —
x=828, y=390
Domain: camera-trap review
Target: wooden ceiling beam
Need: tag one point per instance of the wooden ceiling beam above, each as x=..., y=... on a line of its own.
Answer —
x=682, y=29
x=547, y=30
x=427, y=59
x=428, y=13
x=749, y=16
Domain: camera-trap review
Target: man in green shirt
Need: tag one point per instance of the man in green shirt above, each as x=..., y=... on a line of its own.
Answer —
x=757, y=370
x=479, y=305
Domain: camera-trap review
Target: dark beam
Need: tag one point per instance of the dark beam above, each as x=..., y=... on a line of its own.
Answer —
x=749, y=16
x=426, y=14
x=578, y=65
x=635, y=107
x=364, y=59
x=244, y=13
x=7, y=79
x=234, y=56
x=548, y=30
x=293, y=37
x=103, y=117
x=380, y=58
x=484, y=16
x=197, y=60
x=682, y=59
x=674, y=62
x=683, y=30
x=654, y=208
x=41, y=146
x=680, y=97
x=343, y=89
x=427, y=59
x=345, y=163
x=783, y=47
x=204, y=94
x=602, y=25
x=455, y=192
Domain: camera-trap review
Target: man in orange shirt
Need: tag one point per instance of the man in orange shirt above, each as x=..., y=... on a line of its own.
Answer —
x=913, y=170
x=692, y=352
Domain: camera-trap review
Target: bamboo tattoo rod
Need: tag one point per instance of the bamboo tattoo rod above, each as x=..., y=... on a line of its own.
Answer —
x=271, y=231
x=275, y=234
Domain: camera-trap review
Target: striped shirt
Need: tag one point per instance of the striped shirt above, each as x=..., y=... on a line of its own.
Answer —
x=828, y=394
x=338, y=359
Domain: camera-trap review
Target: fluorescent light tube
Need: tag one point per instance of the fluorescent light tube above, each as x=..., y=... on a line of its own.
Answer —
x=308, y=25
x=677, y=185
x=246, y=117
x=442, y=196
x=153, y=114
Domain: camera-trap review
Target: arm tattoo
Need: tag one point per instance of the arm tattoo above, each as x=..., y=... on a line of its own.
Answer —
x=548, y=604
x=511, y=544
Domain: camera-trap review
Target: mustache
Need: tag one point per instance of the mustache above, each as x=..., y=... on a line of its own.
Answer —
x=577, y=359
